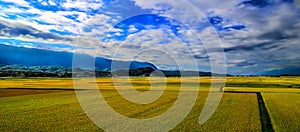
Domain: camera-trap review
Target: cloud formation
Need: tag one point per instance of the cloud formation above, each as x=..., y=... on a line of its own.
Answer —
x=256, y=35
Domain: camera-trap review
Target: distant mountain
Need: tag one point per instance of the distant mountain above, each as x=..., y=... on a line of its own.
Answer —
x=54, y=71
x=281, y=72
x=30, y=62
x=21, y=56
x=292, y=71
x=185, y=73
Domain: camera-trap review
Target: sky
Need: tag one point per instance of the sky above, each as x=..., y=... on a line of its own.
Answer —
x=246, y=36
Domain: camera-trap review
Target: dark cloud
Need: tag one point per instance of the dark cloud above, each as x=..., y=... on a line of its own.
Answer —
x=202, y=57
x=18, y=29
x=221, y=25
x=236, y=27
x=260, y=46
x=277, y=35
x=263, y=3
x=243, y=64
x=258, y=3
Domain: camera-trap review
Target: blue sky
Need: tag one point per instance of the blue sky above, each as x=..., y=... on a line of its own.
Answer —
x=254, y=35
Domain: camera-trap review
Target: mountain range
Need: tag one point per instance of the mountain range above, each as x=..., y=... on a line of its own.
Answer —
x=22, y=56
x=14, y=60
x=31, y=62
x=292, y=71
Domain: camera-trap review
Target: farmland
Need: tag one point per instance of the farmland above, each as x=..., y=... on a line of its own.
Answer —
x=284, y=110
x=50, y=104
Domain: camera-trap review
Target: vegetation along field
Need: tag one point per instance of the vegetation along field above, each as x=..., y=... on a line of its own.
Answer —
x=248, y=103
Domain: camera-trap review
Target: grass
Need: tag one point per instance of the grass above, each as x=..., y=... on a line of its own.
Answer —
x=140, y=111
x=236, y=112
x=284, y=110
x=58, y=111
x=61, y=111
x=47, y=83
x=20, y=92
x=107, y=83
x=49, y=104
x=263, y=82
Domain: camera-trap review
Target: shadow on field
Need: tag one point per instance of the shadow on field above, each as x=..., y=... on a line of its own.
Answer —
x=264, y=115
x=8, y=92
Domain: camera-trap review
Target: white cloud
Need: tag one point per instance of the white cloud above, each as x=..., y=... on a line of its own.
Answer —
x=52, y=3
x=271, y=31
x=132, y=29
x=84, y=5
x=18, y=2
x=151, y=46
x=44, y=3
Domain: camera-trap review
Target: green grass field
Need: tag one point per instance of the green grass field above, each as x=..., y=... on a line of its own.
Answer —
x=50, y=104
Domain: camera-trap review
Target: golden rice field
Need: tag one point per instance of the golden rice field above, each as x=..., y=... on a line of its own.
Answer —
x=50, y=104
x=284, y=110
